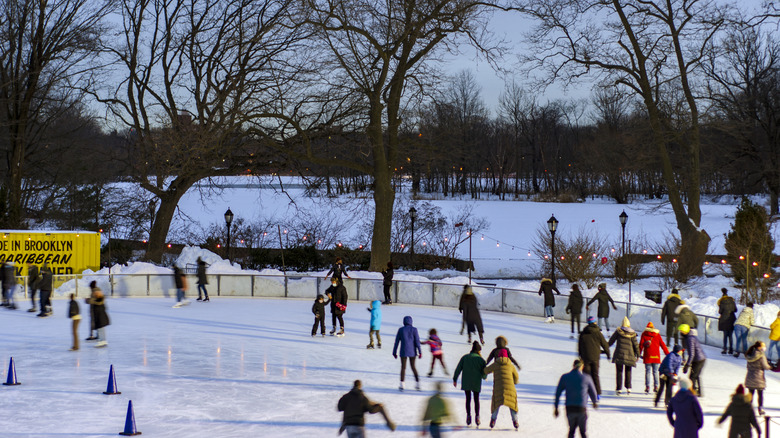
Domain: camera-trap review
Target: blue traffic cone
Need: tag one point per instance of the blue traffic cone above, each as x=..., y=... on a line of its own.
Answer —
x=130, y=429
x=111, y=388
x=11, y=381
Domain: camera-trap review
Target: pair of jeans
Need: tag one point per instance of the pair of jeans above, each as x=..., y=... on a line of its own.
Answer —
x=202, y=287
x=622, y=371
x=513, y=412
x=742, y=333
x=356, y=431
x=605, y=321
x=776, y=346
x=435, y=430
x=728, y=337
x=179, y=295
x=578, y=418
x=548, y=311
x=651, y=369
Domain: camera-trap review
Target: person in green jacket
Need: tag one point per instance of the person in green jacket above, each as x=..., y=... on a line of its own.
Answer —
x=473, y=367
x=436, y=412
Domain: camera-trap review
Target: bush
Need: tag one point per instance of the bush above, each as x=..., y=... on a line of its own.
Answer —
x=574, y=258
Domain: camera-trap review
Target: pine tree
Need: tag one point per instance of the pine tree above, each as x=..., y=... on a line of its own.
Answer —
x=749, y=247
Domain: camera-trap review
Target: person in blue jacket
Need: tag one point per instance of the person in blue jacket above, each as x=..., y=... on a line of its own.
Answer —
x=669, y=369
x=409, y=340
x=684, y=412
x=376, y=322
x=578, y=387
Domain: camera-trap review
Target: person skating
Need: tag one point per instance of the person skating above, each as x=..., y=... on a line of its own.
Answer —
x=695, y=356
x=604, y=299
x=355, y=404
x=338, y=270
x=774, y=341
x=473, y=368
x=387, y=282
x=578, y=387
x=684, y=412
x=625, y=355
x=727, y=309
x=101, y=317
x=669, y=317
x=755, y=381
x=46, y=285
x=590, y=346
x=686, y=316
x=745, y=320
x=547, y=288
x=501, y=347
x=505, y=378
x=437, y=411
x=434, y=342
x=318, y=309
x=92, y=287
x=742, y=415
x=375, y=324
x=180, y=282
x=408, y=339
x=74, y=314
x=203, y=280
x=32, y=284
x=669, y=369
x=469, y=307
x=9, y=285
x=337, y=295
x=650, y=345
x=574, y=307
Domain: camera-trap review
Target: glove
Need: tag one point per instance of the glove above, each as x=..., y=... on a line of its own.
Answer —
x=420, y=356
x=595, y=405
x=567, y=310
x=685, y=369
x=614, y=307
x=555, y=412
x=454, y=383
x=395, y=356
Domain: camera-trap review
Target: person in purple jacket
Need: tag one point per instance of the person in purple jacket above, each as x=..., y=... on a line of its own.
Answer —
x=684, y=412
x=411, y=349
x=696, y=356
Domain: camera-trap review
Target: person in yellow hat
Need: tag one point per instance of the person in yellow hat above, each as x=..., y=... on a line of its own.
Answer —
x=696, y=356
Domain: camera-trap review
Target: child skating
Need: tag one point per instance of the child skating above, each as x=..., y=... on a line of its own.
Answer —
x=318, y=309
x=374, y=325
x=435, y=343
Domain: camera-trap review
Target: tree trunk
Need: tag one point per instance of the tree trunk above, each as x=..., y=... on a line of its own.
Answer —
x=162, y=221
x=384, y=198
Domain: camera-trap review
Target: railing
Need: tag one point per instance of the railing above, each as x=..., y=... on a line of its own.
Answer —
x=491, y=298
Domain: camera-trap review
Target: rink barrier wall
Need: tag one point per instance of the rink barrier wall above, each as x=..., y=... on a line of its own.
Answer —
x=439, y=294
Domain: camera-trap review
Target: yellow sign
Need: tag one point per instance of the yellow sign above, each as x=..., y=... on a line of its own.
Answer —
x=66, y=252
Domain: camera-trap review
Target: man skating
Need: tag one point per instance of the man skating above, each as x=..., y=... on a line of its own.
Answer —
x=578, y=388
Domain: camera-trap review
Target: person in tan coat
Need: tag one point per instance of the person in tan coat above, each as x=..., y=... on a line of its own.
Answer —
x=505, y=378
x=755, y=379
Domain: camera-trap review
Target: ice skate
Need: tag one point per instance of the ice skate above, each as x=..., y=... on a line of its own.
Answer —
x=401, y=386
x=177, y=305
x=516, y=424
x=206, y=299
x=199, y=299
x=468, y=419
x=333, y=332
x=724, y=351
x=618, y=393
x=628, y=391
x=761, y=411
x=492, y=423
x=430, y=374
x=340, y=333
x=379, y=345
x=476, y=421
x=370, y=346
x=101, y=344
x=655, y=389
x=32, y=309
x=571, y=336
x=417, y=386
x=647, y=390
x=552, y=320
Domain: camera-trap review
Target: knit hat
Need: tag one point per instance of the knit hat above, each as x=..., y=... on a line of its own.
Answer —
x=591, y=319
x=650, y=325
x=626, y=322
x=684, y=329
x=685, y=383
x=677, y=348
x=740, y=389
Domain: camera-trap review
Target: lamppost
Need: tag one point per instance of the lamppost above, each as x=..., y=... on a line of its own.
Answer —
x=413, y=216
x=623, y=219
x=228, y=220
x=552, y=225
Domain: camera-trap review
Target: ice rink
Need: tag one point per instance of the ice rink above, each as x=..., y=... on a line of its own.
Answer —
x=248, y=367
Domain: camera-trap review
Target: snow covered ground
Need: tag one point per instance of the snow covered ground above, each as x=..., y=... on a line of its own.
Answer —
x=248, y=367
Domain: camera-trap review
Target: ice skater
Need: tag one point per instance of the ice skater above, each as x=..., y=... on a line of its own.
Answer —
x=578, y=387
x=469, y=307
x=695, y=357
x=669, y=369
x=742, y=415
x=547, y=287
x=88, y=300
x=745, y=320
x=337, y=296
x=669, y=317
x=501, y=350
x=318, y=309
x=574, y=308
x=46, y=285
x=32, y=284
x=727, y=309
x=604, y=300
x=774, y=342
x=203, y=280
x=473, y=368
x=387, y=282
x=434, y=342
x=409, y=340
x=9, y=285
x=74, y=313
x=684, y=412
x=355, y=404
x=650, y=345
x=375, y=324
x=101, y=317
x=180, y=281
x=590, y=346
x=505, y=378
x=625, y=355
x=338, y=270
x=437, y=411
x=755, y=380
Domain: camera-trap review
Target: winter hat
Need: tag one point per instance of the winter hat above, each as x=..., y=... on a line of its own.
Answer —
x=650, y=325
x=467, y=289
x=602, y=285
x=575, y=286
x=501, y=342
x=677, y=348
x=674, y=291
x=476, y=347
x=684, y=329
x=358, y=384
x=685, y=383
x=740, y=389
x=626, y=323
x=724, y=290
x=591, y=320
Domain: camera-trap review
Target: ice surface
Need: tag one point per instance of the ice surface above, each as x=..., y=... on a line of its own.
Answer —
x=248, y=367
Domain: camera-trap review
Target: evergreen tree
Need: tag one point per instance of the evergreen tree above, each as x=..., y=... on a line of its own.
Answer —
x=749, y=247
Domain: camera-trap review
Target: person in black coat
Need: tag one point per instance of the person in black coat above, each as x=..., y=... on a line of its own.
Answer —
x=9, y=284
x=604, y=299
x=727, y=309
x=355, y=404
x=590, y=346
x=337, y=294
x=547, y=288
x=469, y=307
x=32, y=284
x=318, y=309
x=387, y=282
x=46, y=285
x=203, y=280
x=101, y=317
x=574, y=308
x=338, y=270
x=74, y=314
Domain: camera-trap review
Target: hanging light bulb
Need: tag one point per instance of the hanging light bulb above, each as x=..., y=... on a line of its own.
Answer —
x=497, y=245
x=529, y=253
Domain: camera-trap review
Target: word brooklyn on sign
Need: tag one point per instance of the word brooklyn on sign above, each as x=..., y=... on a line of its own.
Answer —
x=66, y=252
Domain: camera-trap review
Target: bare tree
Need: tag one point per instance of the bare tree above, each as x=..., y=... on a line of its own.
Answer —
x=652, y=48
x=196, y=74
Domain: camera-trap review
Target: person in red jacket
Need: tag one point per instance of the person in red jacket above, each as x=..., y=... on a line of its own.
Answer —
x=650, y=345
